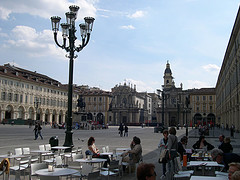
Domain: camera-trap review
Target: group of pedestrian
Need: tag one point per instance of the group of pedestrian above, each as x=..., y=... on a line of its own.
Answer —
x=123, y=128
x=37, y=131
x=169, y=142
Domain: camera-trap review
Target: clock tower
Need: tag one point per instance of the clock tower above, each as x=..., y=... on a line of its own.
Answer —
x=168, y=79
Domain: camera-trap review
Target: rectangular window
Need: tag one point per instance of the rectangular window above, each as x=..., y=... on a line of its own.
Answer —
x=31, y=99
x=16, y=97
x=26, y=99
x=3, y=96
x=10, y=96
x=210, y=97
x=197, y=98
x=204, y=108
x=204, y=98
x=21, y=98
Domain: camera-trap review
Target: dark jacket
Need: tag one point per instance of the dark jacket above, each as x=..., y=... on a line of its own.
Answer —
x=229, y=158
x=180, y=149
x=226, y=147
x=197, y=145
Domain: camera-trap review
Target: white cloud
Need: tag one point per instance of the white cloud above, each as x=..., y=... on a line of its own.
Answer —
x=127, y=27
x=140, y=85
x=27, y=40
x=4, y=13
x=196, y=84
x=211, y=68
x=137, y=14
x=44, y=8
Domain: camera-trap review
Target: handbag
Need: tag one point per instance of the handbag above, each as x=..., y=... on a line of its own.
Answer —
x=163, y=156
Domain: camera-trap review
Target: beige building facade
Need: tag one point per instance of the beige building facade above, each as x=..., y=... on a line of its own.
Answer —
x=97, y=104
x=27, y=95
x=203, y=106
x=227, y=87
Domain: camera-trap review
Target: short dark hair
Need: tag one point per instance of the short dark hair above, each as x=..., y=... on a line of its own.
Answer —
x=165, y=131
x=172, y=131
x=222, y=135
x=144, y=170
x=136, y=140
x=184, y=139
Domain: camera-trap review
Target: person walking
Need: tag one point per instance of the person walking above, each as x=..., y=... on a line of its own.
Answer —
x=125, y=131
x=121, y=129
x=38, y=131
x=163, y=144
x=172, y=149
x=35, y=131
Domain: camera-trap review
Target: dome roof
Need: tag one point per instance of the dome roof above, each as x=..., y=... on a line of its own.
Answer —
x=168, y=70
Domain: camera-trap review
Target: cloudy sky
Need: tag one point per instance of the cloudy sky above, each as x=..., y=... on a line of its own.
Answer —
x=132, y=40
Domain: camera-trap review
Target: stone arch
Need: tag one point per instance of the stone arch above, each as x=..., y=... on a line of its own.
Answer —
x=100, y=118
x=89, y=116
x=197, y=118
x=47, y=116
x=21, y=112
x=39, y=114
x=9, y=112
x=54, y=116
x=31, y=113
x=60, y=118
x=211, y=119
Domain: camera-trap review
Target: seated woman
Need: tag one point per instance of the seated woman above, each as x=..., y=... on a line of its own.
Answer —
x=95, y=151
x=202, y=143
x=135, y=154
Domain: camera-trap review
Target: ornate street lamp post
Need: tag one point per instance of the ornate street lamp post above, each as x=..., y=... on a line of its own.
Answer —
x=68, y=32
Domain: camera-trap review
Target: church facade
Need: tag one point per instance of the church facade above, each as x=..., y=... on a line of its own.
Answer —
x=185, y=107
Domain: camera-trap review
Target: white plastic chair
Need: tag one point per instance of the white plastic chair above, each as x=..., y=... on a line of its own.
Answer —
x=18, y=151
x=37, y=166
x=26, y=151
x=73, y=164
x=112, y=170
x=21, y=166
x=107, y=149
x=104, y=149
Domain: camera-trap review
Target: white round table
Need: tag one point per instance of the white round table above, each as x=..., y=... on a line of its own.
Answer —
x=56, y=172
x=40, y=152
x=93, y=160
x=123, y=149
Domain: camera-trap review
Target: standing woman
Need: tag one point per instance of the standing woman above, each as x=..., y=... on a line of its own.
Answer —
x=163, y=144
x=172, y=148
